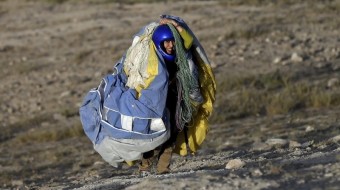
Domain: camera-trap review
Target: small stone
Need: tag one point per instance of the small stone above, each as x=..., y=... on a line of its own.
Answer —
x=333, y=82
x=97, y=74
x=17, y=183
x=58, y=117
x=296, y=58
x=256, y=173
x=277, y=142
x=275, y=170
x=322, y=146
x=98, y=163
x=336, y=67
x=235, y=164
x=294, y=144
x=64, y=94
x=335, y=139
x=307, y=144
x=297, y=152
x=321, y=65
x=10, y=110
x=182, y=185
x=256, y=52
x=45, y=124
x=221, y=38
x=34, y=106
x=231, y=43
x=285, y=63
x=213, y=64
x=236, y=183
x=309, y=128
x=260, y=146
x=277, y=60
x=286, y=38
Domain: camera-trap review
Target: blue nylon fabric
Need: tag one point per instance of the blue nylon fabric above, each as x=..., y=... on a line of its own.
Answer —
x=124, y=134
x=155, y=95
x=151, y=103
x=112, y=95
x=90, y=115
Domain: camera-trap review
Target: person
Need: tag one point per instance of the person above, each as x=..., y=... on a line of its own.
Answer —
x=156, y=102
x=165, y=43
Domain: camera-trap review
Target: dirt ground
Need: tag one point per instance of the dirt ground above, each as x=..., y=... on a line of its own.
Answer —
x=53, y=52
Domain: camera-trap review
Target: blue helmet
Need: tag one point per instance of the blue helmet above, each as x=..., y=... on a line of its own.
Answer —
x=163, y=33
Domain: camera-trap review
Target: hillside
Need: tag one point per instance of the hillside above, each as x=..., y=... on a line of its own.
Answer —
x=277, y=67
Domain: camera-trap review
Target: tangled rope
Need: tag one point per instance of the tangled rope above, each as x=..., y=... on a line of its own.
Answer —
x=185, y=110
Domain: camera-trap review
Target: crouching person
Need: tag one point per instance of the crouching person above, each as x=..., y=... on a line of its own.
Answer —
x=156, y=103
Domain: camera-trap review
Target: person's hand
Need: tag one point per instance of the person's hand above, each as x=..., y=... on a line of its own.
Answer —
x=173, y=22
x=166, y=21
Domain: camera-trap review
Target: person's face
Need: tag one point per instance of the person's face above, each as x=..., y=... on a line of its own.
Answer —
x=169, y=46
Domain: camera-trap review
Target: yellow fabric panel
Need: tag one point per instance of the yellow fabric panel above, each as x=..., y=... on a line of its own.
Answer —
x=197, y=133
x=187, y=38
x=152, y=64
x=130, y=163
x=152, y=68
x=181, y=147
x=126, y=71
x=199, y=128
x=139, y=88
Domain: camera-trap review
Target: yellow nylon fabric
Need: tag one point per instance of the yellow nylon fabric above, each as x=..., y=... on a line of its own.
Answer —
x=130, y=163
x=198, y=130
x=187, y=38
x=152, y=68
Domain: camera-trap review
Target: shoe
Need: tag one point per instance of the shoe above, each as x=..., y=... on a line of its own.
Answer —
x=144, y=168
x=164, y=171
x=164, y=160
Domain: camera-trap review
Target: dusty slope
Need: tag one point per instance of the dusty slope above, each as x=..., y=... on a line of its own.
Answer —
x=52, y=54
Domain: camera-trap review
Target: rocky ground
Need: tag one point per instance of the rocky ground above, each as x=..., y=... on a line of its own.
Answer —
x=53, y=52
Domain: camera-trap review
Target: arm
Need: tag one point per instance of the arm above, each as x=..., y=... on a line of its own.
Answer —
x=186, y=36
